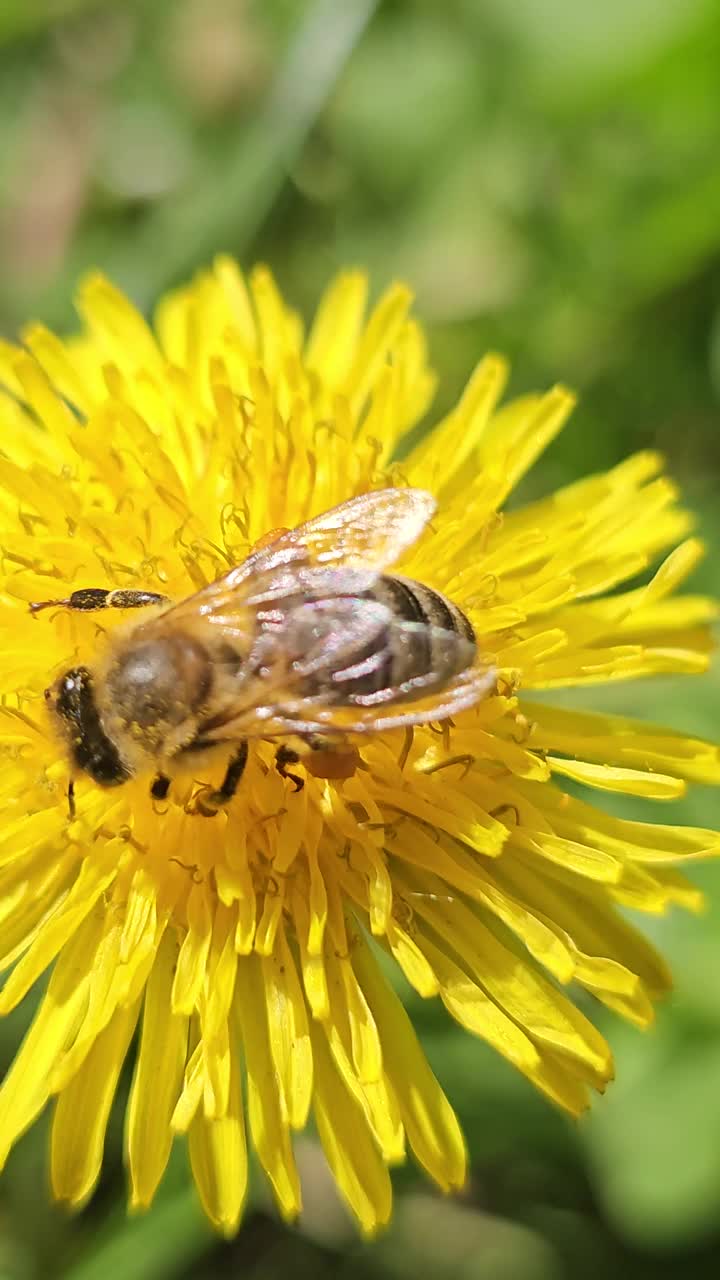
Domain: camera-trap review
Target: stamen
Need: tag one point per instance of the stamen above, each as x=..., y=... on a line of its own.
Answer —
x=503, y=809
x=466, y=760
x=526, y=727
x=195, y=872
x=406, y=747
x=403, y=914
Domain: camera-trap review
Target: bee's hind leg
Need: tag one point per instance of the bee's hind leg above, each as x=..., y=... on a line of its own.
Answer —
x=209, y=802
x=283, y=757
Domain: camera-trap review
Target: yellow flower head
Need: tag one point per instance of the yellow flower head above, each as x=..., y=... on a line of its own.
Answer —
x=243, y=947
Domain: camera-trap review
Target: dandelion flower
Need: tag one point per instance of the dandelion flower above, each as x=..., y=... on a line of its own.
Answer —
x=242, y=951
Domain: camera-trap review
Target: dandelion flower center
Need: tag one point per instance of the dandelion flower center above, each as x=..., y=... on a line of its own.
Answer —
x=241, y=950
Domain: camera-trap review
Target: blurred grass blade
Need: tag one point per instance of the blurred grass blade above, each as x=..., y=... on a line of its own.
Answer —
x=226, y=211
x=24, y=18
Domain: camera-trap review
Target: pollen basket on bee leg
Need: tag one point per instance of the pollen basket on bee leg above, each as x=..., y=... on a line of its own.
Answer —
x=332, y=763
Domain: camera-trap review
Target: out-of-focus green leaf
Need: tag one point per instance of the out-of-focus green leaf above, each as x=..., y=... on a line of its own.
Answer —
x=569, y=47
x=654, y=1142
x=158, y=1245
x=452, y=1242
x=24, y=17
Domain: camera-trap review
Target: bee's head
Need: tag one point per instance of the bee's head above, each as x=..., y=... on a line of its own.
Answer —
x=72, y=703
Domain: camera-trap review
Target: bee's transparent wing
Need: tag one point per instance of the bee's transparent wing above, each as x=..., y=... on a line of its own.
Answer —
x=288, y=715
x=338, y=553
x=370, y=531
x=323, y=640
x=331, y=645
x=421, y=699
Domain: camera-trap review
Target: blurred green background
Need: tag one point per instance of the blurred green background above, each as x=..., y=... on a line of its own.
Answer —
x=546, y=175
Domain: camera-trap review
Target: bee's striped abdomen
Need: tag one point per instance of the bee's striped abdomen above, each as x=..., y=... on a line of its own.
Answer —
x=412, y=601
x=441, y=645
x=420, y=642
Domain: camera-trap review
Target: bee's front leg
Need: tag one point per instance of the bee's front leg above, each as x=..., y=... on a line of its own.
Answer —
x=160, y=787
x=89, y=599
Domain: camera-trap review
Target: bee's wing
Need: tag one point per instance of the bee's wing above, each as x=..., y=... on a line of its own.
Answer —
x=421, y=699
x=368, y=532
x=442, y=702
x=279, y=711
x=338, y=553
x=275, y=703
x=459, y=694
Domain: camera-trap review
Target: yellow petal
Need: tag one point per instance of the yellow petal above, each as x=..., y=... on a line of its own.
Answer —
x=56, y=360
x=412, y=960
x=337, y=326
x=157, y=1079
x=192, y=960
x=473, y=1008
x=26, y=1086
x=353, y=1061
x=218, y=1158
x=288, y=1031
x=655, y=786
x=116, y=325
x=312, y=966
x=192, y=1090
x=268, y=1124
x=607, y=739
x=371, y=352
x=356, y=1164
x=82, y=1110
x=95, y=875
x=430, y=1123
x=525, y=995
x=443, y=451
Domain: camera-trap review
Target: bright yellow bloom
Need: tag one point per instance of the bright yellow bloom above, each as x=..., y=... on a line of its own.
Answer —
x=244, y=947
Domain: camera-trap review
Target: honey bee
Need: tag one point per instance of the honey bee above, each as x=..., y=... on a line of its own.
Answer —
x=308, y=643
